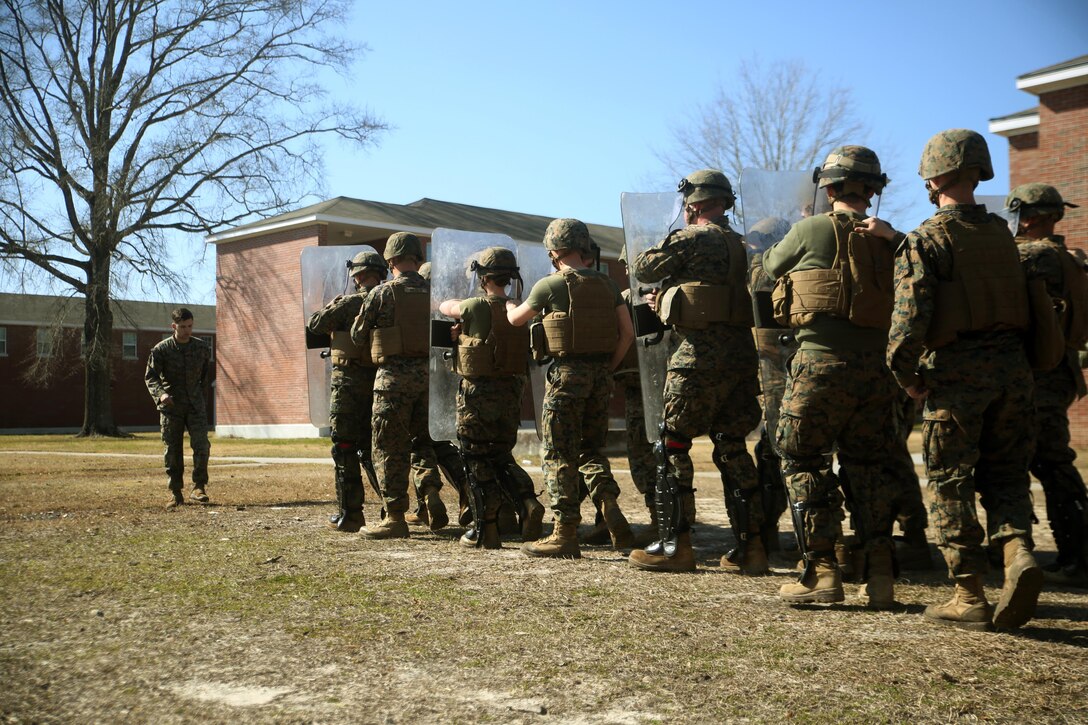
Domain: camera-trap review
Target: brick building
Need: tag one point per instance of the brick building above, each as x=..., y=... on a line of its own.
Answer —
x=1049, y=143
x=261, y=377
x=39, y=326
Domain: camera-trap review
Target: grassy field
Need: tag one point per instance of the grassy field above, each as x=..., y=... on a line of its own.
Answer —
x=250, y=610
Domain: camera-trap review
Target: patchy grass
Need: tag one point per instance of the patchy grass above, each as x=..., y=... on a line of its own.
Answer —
x=249, y=609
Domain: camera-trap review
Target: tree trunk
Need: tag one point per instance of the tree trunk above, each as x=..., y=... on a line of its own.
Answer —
x=98, y=341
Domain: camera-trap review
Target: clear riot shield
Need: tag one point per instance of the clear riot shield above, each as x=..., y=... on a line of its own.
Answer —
x=535, y=265
x=771, y=202
x=452, y=254
x=324, y=276
x=996, y=205
x=647, y=219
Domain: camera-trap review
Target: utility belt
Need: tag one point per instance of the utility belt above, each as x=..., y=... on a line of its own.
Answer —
x=695, y=305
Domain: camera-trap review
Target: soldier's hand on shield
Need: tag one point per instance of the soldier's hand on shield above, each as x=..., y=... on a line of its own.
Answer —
x=876, y=227
x=455, y=332
x=651, y=298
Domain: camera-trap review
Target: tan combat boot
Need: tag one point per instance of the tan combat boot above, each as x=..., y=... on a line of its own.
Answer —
x=653, y=559
x=618, y=528
x=598, y=535
x=1023, y=582
x=393, y=526
x=176, y=499
x=436, y=511
x=534, y=519
x=878, y=591
x=967, y=609
x=419, y=517
x=562, y=543
x=821, y=583
x=199, y=495
x=752, y=563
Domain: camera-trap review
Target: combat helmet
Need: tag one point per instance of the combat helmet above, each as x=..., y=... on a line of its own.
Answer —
x=404, y=244
x=957, y=149
x=495, y=261
x=563, y=234
x=706, y=184
x=1037, y=199
x=364, y=261
x=851, y=164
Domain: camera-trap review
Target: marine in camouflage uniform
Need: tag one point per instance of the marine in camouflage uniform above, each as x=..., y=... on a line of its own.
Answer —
x=711, y=386
x=351, y=398
x=955, y=341
x=399, y=417
x=176, y=377
x=834, y=287
x=912, y=547
x=586, y=347
x=1044, y=255
x=488, y=397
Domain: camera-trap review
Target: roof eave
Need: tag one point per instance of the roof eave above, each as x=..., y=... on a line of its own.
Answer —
x=1057, y=80
x=235, y=235
x=1015, y=126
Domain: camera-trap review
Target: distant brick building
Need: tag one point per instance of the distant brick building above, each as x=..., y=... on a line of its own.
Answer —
x=261, y=377
x=1049, y=143
x=36, y=326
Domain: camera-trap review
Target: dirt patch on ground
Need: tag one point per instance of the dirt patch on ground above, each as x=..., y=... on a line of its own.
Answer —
x=249, y=609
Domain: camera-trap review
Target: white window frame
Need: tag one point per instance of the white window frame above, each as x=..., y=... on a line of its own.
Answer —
x=3, y=342
x=126, y=345
x=44, y=342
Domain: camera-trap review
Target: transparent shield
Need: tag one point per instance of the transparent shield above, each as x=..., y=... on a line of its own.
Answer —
x=324, y=276
x=996, y=205
x=535, y=266
x=647, y=219
x=452, y=254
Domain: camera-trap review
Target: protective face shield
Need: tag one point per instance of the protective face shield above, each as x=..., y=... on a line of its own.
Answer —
x=647, y=219
x=535, y=265
x=996, y=205
x=323, y=278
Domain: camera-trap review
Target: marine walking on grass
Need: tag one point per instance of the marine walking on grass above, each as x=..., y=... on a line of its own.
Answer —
x=177, y=378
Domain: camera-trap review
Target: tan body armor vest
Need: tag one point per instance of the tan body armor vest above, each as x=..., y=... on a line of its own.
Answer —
x=504, y=352
x=987, y=291
x=695, y=304
x=344, y=352
x=859, y=287
x=590, y=327
x=409, y=335
x=1074, y=305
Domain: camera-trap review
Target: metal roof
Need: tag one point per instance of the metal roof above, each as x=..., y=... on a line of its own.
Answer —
x=41, y=310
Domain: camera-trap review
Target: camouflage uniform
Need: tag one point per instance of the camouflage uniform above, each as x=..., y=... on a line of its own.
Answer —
x=910, y=509
x=1055, y=391
x=350, y=403
x=575, y=415
x=640, y=454
x=400, y=399
x=976, y=427
x=839, y=393
x=774, y=346
x=181, y=371
x=711, y=387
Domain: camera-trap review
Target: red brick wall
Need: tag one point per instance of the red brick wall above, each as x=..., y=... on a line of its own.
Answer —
x=261, y=370
x=1023, y=159
x=59, y=404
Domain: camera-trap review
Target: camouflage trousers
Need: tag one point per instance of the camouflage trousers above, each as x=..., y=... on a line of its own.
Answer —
x=428, y=468
x=351, y=404
x=400, y=431
x=1052, y=464
x=910, y=509
x=173, y=425
x=723, y=404
x=978, y=439
x=488, y=417
x=841, y=399
x=773, y=356
x=640, y=453
x=575, y=422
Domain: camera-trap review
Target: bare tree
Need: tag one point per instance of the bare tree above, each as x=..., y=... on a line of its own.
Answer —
x=126, y=121
x=779, y=118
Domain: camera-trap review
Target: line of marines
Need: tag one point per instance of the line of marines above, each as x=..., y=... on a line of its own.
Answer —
x=855, y=325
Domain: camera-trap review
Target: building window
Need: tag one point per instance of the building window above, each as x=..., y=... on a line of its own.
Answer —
x=45, y=342
x=128, y=345
x=3, y=342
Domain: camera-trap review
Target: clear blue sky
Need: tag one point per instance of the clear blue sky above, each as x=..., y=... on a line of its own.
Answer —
x=555, y=108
